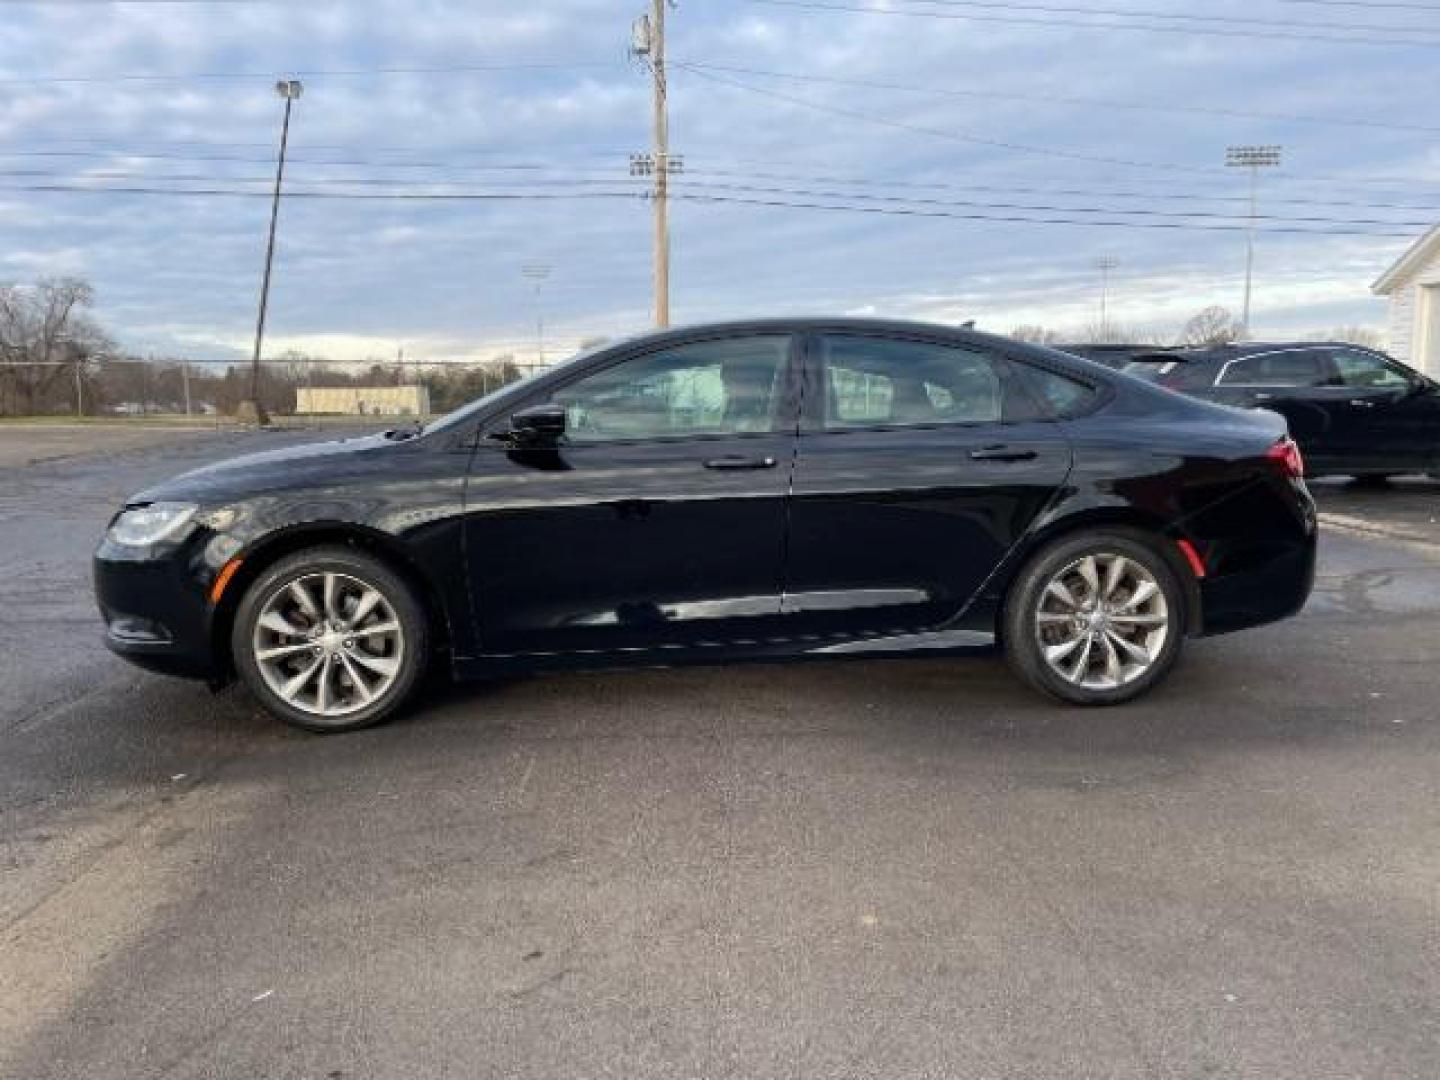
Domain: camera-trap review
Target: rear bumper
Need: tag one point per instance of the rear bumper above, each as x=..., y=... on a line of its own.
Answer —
x=1264, y=572
x=156, y=612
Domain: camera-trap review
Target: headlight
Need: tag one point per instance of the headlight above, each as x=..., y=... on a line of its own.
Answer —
x=147, y=525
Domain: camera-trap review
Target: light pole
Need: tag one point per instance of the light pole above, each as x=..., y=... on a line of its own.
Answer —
x=1253, y=158
x=538, y=273
x=290, y=90
x=1105, y=264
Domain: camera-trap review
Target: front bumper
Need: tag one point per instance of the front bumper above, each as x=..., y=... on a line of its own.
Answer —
x=156, y=609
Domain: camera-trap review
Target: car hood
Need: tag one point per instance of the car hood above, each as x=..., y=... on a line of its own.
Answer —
x=252, y=474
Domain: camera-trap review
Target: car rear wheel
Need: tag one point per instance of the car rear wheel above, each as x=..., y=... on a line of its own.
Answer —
x=1095, y=619
x=330, y=639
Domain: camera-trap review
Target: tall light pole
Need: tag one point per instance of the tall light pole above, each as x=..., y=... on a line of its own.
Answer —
x=1253, y=158
x=537, y=274
x=1105, y=264
x=648, y=43
x=290, y=90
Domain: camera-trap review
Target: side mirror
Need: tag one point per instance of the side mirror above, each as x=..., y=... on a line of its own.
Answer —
x=539, y=425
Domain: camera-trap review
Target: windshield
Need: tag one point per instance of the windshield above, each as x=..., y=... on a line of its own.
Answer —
x=510, y=389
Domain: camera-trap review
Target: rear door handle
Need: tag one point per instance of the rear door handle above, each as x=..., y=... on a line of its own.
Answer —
x=735, y=461
x=1002, y=453
x=1360, y=403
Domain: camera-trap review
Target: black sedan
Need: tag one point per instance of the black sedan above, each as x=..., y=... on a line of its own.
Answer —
x=1354, y=411
x=767, y=489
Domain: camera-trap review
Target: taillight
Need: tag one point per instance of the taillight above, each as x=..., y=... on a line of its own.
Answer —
x=1287, y=455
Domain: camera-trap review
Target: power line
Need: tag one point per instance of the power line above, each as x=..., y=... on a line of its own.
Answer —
x=1055, y=99
x=1183, y=17
x=1301, y=226
x=967, y=137
x=956, y=136
x=308, y=73
x=1053, y=23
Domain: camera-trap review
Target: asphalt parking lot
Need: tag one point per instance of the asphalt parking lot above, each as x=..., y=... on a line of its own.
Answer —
x=850, y=869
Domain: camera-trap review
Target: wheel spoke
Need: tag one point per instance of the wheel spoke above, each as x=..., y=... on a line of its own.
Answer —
x=1061, y=592
x=1113, y=573
x=1135, y=652
x=361, y=686
x=300, y=681
x=332, y=597
x=1113, y=669
x=1077, y=671
x=1091, y=575
x=276, y=623
x=322, y=694
x=302, y=597
x=381, y=665
x=1054, y=617
x=1143, y=592
x=364, y=606
x=378, y=628
x=282, y=651
x=1056, y=653
x=1140, y=619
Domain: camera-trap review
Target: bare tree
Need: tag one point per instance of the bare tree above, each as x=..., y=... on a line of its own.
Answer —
x=1035, y=335
x=48, y=343
x=1213, y=325
x=1355, y=335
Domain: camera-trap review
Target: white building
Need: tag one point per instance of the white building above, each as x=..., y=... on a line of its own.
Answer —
x=364, y=400
x=1413, y=286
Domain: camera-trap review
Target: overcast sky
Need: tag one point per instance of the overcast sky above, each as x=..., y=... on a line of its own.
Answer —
x=941, y=114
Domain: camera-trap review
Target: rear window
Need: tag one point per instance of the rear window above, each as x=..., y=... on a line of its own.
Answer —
x=1170, y=371
x=1064, y=396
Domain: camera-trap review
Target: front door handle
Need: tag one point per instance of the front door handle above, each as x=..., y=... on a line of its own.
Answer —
x=735, y=461
x=1002, y=453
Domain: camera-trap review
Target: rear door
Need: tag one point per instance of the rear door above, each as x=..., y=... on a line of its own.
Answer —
x=919, y=465
x=1393, y=417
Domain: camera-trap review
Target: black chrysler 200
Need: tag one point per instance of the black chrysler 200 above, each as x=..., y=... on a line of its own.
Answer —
x=752, y=490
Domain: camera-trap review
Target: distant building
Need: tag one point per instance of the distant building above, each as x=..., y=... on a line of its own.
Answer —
x=1413, y=287
x=363, y=400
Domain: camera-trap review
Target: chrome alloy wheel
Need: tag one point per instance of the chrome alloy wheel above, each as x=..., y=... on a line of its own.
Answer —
x=1102, y=621
x=328, y=644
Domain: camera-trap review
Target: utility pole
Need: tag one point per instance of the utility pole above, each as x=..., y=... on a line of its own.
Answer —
x=290, y=90
x=648, y=42
x=185, y=379
x=1105, y=264
x=1253, y=158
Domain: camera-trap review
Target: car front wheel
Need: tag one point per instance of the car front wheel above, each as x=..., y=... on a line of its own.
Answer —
x=1095, y=619
x=330, y=639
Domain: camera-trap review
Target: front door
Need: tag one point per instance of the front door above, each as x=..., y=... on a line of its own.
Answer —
x=1392, y=415
x=658, y=520
x=920, y=465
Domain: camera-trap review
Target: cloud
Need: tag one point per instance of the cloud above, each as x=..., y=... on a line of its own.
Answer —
x=354, y=278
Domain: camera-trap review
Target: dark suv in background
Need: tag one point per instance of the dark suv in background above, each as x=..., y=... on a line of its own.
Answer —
x=1354, y=411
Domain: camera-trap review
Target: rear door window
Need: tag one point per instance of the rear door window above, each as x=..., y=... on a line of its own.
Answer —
x=886, y=382
x=1297, y=369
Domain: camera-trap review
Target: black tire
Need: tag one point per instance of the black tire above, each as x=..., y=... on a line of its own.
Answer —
x=1023, y=647
x=408, y=648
